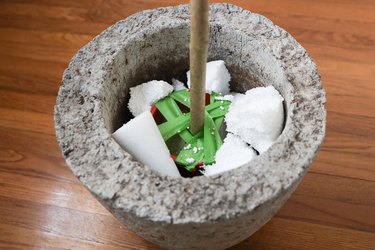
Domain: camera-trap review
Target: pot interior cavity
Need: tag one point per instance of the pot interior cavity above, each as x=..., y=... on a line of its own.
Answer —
x=164, y=55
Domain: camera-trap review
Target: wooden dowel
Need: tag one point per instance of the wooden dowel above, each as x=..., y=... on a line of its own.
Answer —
x=198, y=59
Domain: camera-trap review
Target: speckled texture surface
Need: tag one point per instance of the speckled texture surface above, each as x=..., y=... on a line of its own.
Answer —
x=204, y=212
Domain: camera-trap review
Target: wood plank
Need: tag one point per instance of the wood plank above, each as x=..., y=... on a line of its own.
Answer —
x=38, y=52
x=343, y=189
x=67, y=223
x=346, y=40
x=354, y=28
x=52, y=39
x=352, y=199
x=28, y=121
x=43, y=145
x=28, y=164
x=354, y=100
x=78, y=13
x=282, y=233
x=35, y=84
x=341, y=164
x=350, y=103
x=32, y=76
x=64, y=18
x=27, y=101
x=331, y=52
x=356, y=146
x=53, y=25
x=32, y=154
x=60, y=193
x=38, y=45
x=358, y=73
x=32, y=239
x=346, y=151
x=315, y=9
x=31, y=67
x=344, y=124
x=28, y=10
x=319, y=210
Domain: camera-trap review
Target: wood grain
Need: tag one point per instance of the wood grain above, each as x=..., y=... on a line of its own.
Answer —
x=43, y=206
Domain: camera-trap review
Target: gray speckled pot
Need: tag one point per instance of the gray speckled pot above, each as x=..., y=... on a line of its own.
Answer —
x=204, y=212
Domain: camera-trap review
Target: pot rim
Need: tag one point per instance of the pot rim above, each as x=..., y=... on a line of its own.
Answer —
x=229, y=194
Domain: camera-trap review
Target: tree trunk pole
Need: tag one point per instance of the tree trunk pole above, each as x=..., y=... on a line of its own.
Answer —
x=198, y=59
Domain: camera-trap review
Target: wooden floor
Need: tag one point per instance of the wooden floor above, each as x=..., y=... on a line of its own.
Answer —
x=42, y=205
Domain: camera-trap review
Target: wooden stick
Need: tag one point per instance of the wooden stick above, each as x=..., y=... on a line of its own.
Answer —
x=198, y=59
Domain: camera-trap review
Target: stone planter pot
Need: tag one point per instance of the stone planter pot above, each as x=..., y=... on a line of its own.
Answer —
x=203, y=212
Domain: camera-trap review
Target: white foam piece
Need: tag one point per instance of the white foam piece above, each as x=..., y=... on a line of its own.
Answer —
x=224, y=98
x=217, y=77
x=178, y=85
x=143, y=96
x=257, y=117
x=232, y=154
x=142, y=139
x=235, y=95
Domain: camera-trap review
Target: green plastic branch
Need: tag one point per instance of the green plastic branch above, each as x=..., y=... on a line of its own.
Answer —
x=203, y=146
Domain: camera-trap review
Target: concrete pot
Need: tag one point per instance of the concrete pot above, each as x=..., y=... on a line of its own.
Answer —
x=203, y=212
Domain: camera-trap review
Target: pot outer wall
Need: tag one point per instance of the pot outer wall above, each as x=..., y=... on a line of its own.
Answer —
x=203, y=212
